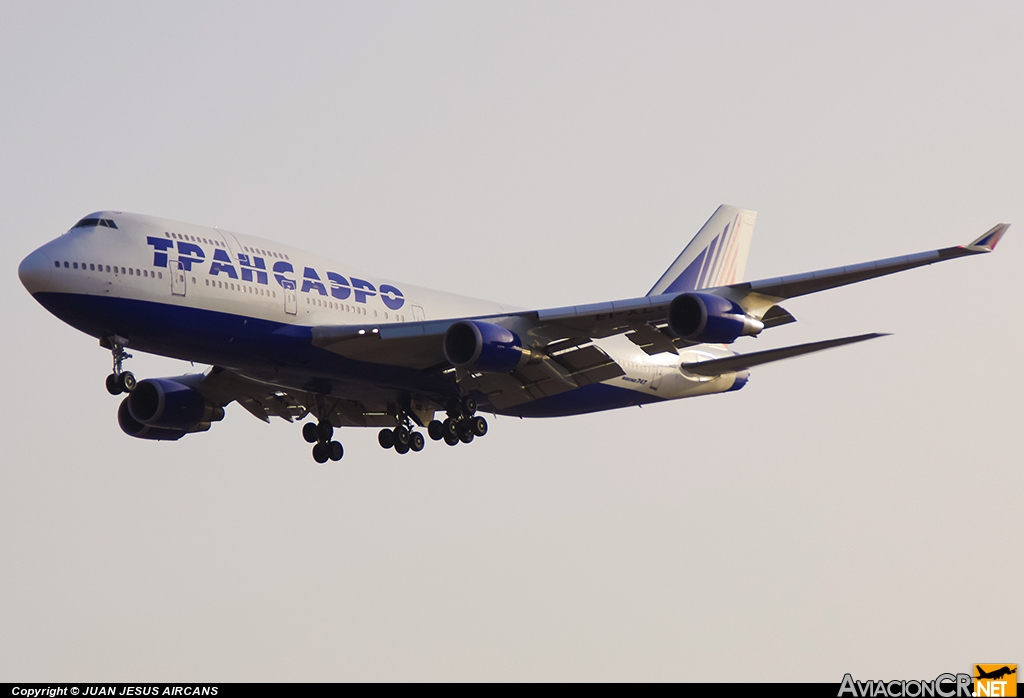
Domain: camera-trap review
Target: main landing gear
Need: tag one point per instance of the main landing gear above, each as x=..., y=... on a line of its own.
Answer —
x=402, y=438
x=319, y=434
x=119, y=381
x=461, y=424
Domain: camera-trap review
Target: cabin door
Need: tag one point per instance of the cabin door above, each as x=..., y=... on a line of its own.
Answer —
x=178, y=284
x=291, y=300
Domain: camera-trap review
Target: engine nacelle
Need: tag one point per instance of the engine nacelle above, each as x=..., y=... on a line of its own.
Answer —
x=132, y=427
x=704, y=317
x=165, y=403
x=484, y=346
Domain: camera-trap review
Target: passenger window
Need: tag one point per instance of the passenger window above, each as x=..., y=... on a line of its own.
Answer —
x=75, y=264
x=66, y=265
x=57, y=264
x=131, y=272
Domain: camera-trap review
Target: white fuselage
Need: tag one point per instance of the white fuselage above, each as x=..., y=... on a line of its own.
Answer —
x=174, y=268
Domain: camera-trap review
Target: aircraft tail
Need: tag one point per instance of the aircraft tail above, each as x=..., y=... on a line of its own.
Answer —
x=717, y=255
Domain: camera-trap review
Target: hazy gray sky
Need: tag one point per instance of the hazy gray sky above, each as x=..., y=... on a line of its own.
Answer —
x=857, y=510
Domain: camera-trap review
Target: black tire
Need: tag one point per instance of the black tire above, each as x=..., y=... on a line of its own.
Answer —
x=478, y=426
x=401, y=448
x=320, y=454
x=309, y=433
x=386, y=438
x=325, y=430
x=453, y=408
x=468, y=406
x=335, y=451
x=113, y=385
x=449, y=427
x=126, y=381
x=466, y=437
x=401, y=436
x=417, y=442
x=451, y=439
x=436, y=430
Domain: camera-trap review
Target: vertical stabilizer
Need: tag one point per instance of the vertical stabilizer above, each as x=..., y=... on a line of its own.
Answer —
x=717, y=255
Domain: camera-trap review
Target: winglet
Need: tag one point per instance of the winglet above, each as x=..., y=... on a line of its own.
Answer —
x=988, y=241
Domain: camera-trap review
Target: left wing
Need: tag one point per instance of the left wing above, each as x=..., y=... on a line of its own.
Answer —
x=559, y=340
x=264, y=400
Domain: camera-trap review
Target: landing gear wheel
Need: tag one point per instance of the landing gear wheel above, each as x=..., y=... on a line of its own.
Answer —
x=324, y=430
x=309, y=433
x=468, y=406
x=416, y=441
x=320, y=453
x=113, y=385
x=386, y=438
x=402, y=448
x=401, y=436
x=335, y=451
x=466, y=437
x=453, y=408
x=449, y=427
x=478, y=426
x=126, y=381
x=436, y=430
x=451, y=439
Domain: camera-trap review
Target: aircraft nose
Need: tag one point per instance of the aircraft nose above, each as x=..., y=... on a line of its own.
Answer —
x=34, y=271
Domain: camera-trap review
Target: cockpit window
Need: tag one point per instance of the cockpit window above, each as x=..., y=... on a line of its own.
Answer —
x=94, y=222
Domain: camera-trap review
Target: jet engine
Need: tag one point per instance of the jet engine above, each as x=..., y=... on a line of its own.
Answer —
x=704, y=317
x=484, y=346
x=165, y=409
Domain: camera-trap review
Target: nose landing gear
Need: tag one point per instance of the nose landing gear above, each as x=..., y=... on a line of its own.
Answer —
x=120, y=381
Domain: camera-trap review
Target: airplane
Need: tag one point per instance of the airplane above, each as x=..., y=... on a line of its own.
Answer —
x=290, y=334
x=996, y=674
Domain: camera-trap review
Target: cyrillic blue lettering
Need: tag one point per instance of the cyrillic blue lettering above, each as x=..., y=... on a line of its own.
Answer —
x=282, y=268
x=189, y=253
x=311, y=281
x=363, y=289
x=256, y=267
x=339, y=286
x=159, y=245
x=222, y=263
x=391, y=296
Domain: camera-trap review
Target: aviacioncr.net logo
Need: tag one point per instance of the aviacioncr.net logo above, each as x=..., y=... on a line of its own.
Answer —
x=943, y=686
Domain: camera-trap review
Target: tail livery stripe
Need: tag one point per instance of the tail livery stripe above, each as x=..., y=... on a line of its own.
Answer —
x=716, y=256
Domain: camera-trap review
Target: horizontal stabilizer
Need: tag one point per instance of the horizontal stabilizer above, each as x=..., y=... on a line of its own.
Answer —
x=732, y=364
